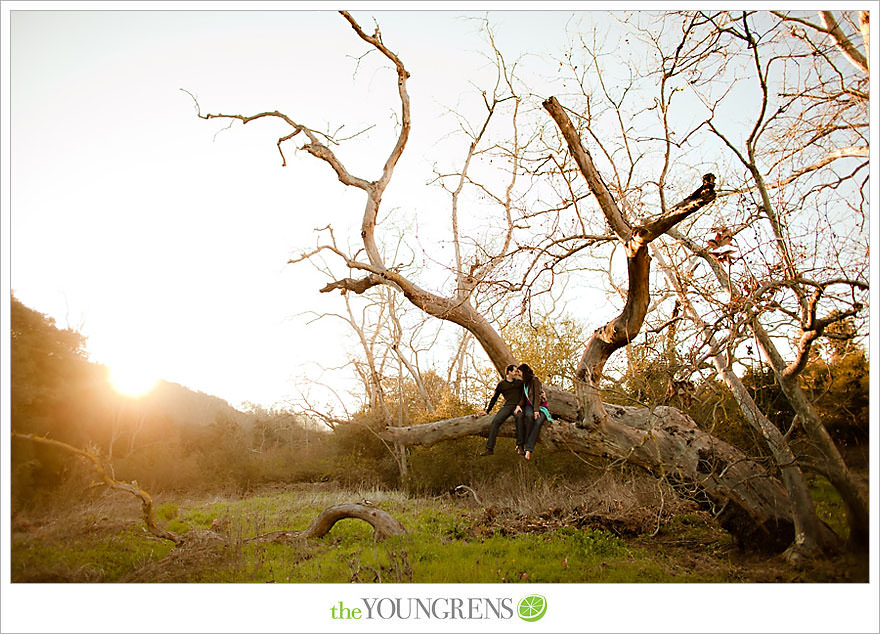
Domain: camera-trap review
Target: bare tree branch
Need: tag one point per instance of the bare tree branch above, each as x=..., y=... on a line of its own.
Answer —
x=843, y=43
x=357, y=286
x=585, y=163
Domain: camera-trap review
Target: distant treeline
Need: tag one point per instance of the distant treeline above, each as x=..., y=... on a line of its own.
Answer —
x=178, y=439
x=172, y=437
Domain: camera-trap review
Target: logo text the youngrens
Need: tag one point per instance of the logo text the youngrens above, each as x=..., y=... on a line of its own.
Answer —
x=440, y=608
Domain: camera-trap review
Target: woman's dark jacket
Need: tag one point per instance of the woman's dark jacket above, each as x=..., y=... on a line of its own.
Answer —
x=535, y=388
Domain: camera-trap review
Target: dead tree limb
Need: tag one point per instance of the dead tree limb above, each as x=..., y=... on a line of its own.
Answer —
x=351, y=284
x=132, y=487
x=464, y=487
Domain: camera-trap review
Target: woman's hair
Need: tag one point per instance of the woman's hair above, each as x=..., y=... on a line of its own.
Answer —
x=527, y=372
x=512, y=366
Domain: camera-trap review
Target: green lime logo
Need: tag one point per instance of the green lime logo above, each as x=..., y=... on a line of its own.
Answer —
x=532, y=607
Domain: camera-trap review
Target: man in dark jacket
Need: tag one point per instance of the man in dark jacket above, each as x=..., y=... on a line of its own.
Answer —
x=511, y=388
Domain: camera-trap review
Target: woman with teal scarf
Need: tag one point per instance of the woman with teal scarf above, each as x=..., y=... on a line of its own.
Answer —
x=532, y=409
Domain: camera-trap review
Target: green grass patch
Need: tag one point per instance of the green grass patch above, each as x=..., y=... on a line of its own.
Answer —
x=166, y=511
x=445, y=543
x=829, y=505
x=178, y=526
x=91, y=558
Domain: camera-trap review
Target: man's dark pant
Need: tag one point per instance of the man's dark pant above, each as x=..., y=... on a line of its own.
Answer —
x=502, y=415
x=528, y=428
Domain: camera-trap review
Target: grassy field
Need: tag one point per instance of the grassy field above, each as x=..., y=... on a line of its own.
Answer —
x=555, y=536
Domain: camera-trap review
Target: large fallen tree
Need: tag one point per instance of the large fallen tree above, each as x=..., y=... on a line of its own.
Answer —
x=754, y=505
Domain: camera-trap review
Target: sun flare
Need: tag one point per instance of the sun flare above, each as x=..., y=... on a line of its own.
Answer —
x=132, y=380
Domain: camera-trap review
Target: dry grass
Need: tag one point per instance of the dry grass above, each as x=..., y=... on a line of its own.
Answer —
x=629, y=498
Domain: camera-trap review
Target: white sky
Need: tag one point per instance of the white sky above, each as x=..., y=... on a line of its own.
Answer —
x=165, y=242
x=162, y=243
x=167, y=246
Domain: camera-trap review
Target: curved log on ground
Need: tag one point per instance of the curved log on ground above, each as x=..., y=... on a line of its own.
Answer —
x=383, y=523
x=755, y=506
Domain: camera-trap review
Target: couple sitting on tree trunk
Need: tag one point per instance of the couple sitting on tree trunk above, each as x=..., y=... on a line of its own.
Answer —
x=524, y=399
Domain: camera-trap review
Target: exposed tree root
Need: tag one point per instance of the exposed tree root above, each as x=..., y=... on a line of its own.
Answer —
x=384, y=524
